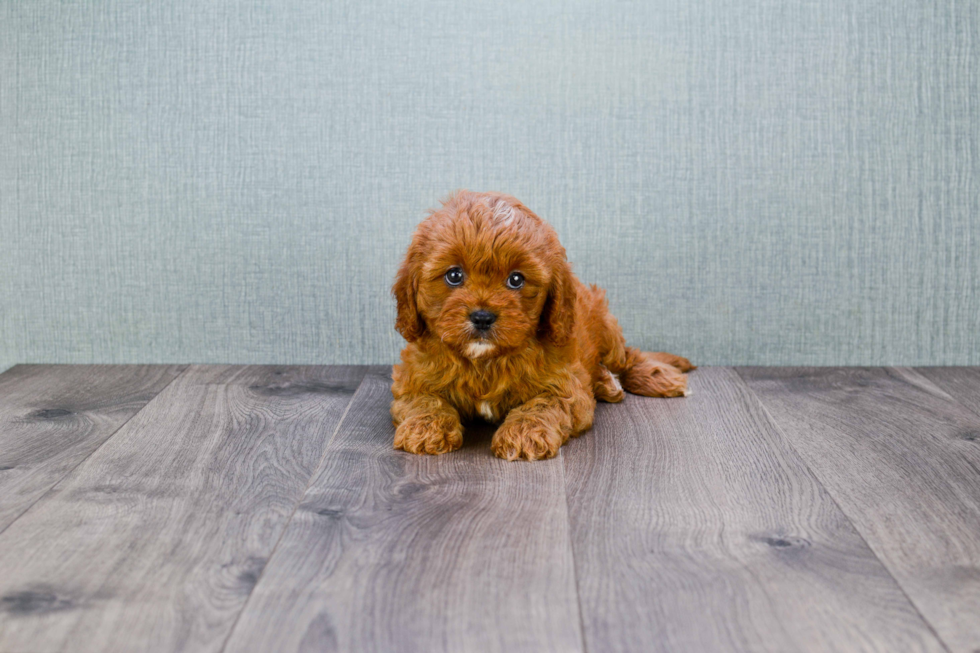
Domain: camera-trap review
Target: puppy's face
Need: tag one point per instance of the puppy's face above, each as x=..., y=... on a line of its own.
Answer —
x=485, y=276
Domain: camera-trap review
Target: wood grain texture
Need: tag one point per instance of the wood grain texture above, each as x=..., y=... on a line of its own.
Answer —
x=53, y=416
x=902, y=459
x=156, y=540
x=391, y=551
x=695, y=527
x=961, y=383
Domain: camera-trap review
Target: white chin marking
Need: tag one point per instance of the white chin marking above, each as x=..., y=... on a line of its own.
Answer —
x=485, y=410
x=477, y=349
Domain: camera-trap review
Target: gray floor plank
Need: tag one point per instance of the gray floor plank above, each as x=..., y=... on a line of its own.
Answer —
x=696, y=527
x=53, y=416
x=903, y=461
x=156, y=540
x=961, y=383
x=395, y=552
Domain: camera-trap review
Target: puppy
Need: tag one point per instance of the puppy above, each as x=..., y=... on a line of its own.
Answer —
x=498, y=327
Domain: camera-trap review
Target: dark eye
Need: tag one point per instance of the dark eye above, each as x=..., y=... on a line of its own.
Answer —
x=454, y=277
x=515, y=281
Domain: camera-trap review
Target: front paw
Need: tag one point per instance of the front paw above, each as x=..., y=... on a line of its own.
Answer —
x=530, y=439
x=431, y=434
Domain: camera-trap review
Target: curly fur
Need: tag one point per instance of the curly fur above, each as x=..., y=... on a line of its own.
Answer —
x=552, y=352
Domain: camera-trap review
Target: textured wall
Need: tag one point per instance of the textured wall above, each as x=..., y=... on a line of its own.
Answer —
x=753, y=182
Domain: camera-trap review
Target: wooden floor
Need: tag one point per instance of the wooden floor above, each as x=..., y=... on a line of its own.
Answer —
x=217, y=508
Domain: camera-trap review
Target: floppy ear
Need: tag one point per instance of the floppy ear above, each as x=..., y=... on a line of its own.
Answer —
x=409, y=322
x=558, y=316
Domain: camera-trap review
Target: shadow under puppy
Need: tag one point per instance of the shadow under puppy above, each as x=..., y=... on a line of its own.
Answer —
x=499, y=327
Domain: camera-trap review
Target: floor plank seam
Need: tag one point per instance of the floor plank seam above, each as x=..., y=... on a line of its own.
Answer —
x=778, y=429
x=972, y=409
x=571, y=550
x=91, y=453
x=285, y=528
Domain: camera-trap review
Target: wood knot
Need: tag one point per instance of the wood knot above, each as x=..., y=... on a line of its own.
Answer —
x=33, y=602
x=299, y=389
x=782, y=541
x=249, y=576
x=411, y=489
x=50, y=413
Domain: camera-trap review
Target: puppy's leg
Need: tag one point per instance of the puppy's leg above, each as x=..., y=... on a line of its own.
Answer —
x=652, y=374
x=534, y=430
x=674, y=360
x=644, y=374
x=607, y=387
x=426, y=424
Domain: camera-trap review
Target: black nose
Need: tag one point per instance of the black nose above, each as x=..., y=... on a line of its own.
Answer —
x=482, y=320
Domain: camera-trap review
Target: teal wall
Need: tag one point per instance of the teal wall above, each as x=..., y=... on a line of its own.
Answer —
x=753, y=182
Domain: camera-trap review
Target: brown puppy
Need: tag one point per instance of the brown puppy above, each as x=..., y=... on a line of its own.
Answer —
x=499, y=327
